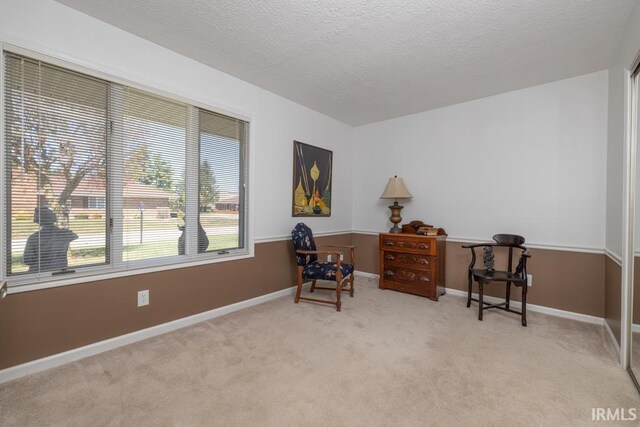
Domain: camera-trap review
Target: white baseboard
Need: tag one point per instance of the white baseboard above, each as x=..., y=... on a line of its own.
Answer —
x=517, y=305
x=59, y=359
x=612, y=339
x=365, y=274
x=536, y=308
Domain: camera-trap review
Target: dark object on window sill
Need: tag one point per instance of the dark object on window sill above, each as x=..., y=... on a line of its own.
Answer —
x=65, y=271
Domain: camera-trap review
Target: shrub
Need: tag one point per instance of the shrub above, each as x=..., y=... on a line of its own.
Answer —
x=23, y=217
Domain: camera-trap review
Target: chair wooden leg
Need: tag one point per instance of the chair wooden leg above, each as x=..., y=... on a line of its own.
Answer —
x=480, y=303
x=524, y=305
x=351, y=285
x=313, y=286
x=469, y=291
x=299, y=290
x=338, y=294
x=508, y=297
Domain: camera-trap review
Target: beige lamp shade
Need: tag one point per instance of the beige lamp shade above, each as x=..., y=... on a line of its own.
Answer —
x=396, y=189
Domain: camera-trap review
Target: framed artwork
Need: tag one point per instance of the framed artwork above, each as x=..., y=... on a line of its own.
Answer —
x=312, y=169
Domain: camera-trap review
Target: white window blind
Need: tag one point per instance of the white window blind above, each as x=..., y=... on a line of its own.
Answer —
x=55, y=153
x=102, y=177
x=153, y=199
x=222, y=199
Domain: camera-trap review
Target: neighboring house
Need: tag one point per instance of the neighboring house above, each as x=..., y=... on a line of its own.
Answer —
x=89, y=195
x=227, y=202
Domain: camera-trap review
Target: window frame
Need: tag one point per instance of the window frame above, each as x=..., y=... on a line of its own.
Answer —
x=116, y=267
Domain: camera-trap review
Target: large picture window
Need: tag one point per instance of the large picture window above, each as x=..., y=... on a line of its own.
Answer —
x=100, y=176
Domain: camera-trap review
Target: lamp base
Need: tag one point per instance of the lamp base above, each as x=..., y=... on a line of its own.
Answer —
x=395, y=229
x=395, y=217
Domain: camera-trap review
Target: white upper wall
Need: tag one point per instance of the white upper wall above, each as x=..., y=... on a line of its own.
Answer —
x=541, y=149
x=530, y=162
x=62, y=32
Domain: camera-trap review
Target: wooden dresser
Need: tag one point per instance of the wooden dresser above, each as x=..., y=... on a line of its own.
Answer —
x=413, y=263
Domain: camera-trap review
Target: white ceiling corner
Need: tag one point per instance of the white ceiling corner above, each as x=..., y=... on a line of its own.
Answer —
x=362, y=61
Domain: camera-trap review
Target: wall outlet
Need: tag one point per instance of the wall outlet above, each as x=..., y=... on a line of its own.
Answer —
x=143, y=298
x=529, y=279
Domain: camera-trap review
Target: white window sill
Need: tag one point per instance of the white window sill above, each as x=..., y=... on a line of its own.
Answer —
x=18, y=285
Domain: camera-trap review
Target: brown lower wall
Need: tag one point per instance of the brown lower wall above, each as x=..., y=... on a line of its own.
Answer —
x=41, y=323
x=45, y=322
x=571, y=281
x=612, y=296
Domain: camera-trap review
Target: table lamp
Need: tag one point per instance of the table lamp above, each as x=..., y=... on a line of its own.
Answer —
x=396, y=190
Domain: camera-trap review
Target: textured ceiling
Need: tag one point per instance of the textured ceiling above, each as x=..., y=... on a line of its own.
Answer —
x=362, y=61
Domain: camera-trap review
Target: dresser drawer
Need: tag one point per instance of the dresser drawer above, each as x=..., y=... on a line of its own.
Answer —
x=408, y=280
x=408, y=275
x=426, y=246
x=410, y=260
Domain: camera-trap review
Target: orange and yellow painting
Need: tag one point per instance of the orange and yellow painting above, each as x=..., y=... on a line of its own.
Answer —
x=312, y=169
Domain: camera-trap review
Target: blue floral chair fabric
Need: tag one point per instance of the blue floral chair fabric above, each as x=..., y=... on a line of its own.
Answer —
x=325, y=270
x=303, y=240
x=310, y=268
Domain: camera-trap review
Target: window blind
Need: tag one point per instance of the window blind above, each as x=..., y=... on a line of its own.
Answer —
x=221, y=184
x=153, y=190
x=55, y=151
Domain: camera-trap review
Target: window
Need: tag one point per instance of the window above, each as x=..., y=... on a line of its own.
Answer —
x=220, y=187
x=101, y=176
x=154, y=150
x=55, y=153
x=96, y=202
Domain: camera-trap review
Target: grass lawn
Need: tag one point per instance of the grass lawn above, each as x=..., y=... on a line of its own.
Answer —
x=23, y=228
x=158, y=249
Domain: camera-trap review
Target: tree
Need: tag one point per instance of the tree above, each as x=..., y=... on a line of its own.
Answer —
x=209, y=192
x=52, y=138
x=157, y=172
x=145, y=168
x=180, y=203
x=136, y=159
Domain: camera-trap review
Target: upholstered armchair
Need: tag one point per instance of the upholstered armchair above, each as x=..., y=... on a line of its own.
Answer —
x=311, y=269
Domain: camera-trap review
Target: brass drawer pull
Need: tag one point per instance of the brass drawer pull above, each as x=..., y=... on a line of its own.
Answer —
x=423, y=246
x=425, y=279
x=423, y=261
x=389, y=257
x=389, y=273
x=389, y=243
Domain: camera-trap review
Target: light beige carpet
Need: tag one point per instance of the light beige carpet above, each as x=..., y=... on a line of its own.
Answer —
x=387, y=359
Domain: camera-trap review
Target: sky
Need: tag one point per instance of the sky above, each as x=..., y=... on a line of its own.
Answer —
x=223, y=154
